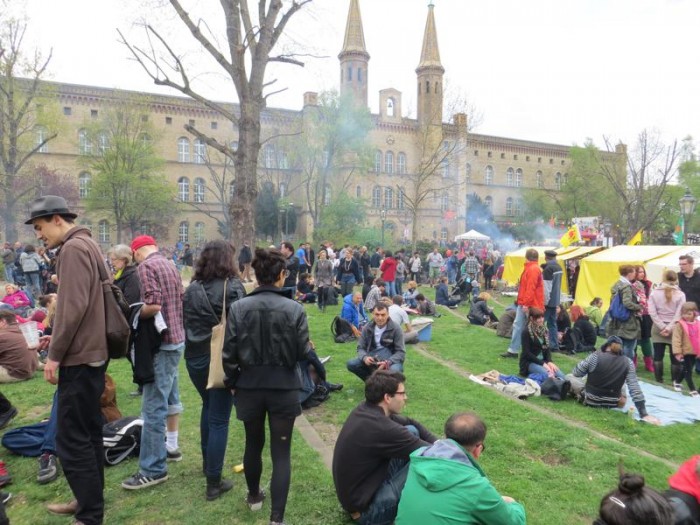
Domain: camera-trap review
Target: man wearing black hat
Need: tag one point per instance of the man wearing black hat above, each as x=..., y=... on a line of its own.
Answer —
x=77, y=355
x=551, y=276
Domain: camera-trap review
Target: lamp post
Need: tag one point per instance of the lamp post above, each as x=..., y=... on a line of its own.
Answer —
x=382, y=217
x=687, y=204
x=286, y=220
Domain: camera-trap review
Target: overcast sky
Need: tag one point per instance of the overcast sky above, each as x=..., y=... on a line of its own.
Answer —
x=545, y=70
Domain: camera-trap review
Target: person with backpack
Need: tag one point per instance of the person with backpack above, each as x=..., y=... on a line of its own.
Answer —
x=31, y=267
x=625, y=311
x=665, y=303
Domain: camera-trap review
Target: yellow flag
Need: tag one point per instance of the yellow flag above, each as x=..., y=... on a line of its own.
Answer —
x=571, y=236
x=636, y=240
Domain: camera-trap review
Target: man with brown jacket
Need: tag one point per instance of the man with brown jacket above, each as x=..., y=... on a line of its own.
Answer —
x=77, y=355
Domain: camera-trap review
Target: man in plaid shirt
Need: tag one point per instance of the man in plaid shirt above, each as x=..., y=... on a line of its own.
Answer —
x=161, y=293
x=471, y=266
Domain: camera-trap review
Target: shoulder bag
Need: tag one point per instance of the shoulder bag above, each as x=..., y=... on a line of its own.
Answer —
x=216, y=363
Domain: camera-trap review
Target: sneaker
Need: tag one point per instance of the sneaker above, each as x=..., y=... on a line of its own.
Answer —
x=214, y=491
x=48, y=468
x=694, y=393
x=139, y=481
x=334, y=387
x=5, y=478
x=174, y=455
x=255, y=503
x=677, y=387
x=5, y=417
x=324, y=360
x=509, y=355
x=5, y=497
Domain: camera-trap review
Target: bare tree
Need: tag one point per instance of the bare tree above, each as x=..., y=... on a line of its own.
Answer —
x=25, y=126
x=251, y=38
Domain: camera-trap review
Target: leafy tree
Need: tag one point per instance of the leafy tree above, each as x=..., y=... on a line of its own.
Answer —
x=342, y=220
x=127, y=182
x=266, y=212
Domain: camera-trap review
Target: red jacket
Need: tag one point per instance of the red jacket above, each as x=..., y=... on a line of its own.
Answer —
x=388, y=269
x=531, y=291
x=686, y=480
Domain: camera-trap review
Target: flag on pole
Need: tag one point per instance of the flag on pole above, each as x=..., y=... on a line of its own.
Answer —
x=571, y=236
x=636, y=239
x=679, y=231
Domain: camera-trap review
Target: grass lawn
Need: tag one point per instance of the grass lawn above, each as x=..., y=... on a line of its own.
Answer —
x=559, y=471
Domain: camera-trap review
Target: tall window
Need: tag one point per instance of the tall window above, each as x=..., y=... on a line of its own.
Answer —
x=183, y=189
x=84, y=184
x=358, y=191
x=389, y=162
x=377, y=161
x=519, y=178
x=557, y=181
x=444, y=201
x=183, y=232
x=84, y=144
x=518, y=207
x=283, y=160
x=376, y=197
x=401, y=163
x=488, y=175
x=283, y=189
x=199, y=232
x=183, y=149
x=468, y=173
x=269, y=156
x=443, y=233
x=488, y=202
x=538, y=179
x=103, y=231
x=509, y=177
x=199, y=189
x=200, y=151
x=327, y=195
x=401, y=199
x=102, y=142
x=388, y=198
x=39, y=137
x=509, y=206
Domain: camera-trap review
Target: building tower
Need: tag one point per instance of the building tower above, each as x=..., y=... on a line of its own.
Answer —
x=354, y=58
x=430, y=76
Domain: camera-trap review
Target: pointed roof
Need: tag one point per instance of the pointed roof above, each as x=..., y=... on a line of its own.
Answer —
x=354, y=34
x=430, y=54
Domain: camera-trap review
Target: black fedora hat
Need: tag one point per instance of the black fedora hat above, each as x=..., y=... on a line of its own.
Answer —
x=49, y=205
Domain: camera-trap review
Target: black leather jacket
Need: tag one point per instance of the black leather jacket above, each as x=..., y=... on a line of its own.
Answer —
x=267, y=335
x=199, y=318
x=129, y=284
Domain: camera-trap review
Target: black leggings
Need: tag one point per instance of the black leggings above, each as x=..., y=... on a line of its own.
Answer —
x=280, y=451
x=660, y=349
x=687, y=371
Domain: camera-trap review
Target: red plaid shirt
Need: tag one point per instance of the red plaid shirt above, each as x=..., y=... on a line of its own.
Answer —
x=161, y=284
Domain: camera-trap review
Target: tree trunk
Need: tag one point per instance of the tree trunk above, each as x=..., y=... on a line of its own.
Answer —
x=8, y=217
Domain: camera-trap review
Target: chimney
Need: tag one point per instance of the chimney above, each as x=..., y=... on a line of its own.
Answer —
x=310, y=98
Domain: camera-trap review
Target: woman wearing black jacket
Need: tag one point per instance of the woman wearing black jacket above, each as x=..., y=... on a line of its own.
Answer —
x=202, y=308
x=266, y=336
x=125, y=275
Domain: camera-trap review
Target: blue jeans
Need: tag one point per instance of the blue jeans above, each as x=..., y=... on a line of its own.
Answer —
x=383, y=507
x=390, y=288
x=533, y=368
x=34, y=282
x=160, y=399
x=346, y=284
x=518, y=326
x=550, y=317
x=361, y=370
x=629, y=347
x=215, y=415
x=398, y=285
x=51, y=428
x=451, y=275
x=9, y=274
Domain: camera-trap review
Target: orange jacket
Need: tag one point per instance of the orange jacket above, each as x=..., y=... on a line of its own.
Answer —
x=531, y=291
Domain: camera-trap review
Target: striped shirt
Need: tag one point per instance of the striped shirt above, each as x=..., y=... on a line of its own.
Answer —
x=161, y=284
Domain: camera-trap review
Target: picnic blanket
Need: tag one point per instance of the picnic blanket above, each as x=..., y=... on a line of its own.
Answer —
x=669, y=406
x=514, y=387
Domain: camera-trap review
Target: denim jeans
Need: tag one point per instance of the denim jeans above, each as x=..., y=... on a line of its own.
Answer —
x=346, y=284
x=9, y=274
x=50, y=432
x=550, y=317
x=451, y=275
x=361, y=370
x=629, y=347
x=398, y=285
x=390, y=288
x=34, y=282
x=215, y=415
x=518, y=326
x=533, y=368
x=160, y=399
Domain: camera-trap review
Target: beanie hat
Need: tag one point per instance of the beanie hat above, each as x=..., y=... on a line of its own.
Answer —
x=141, y=241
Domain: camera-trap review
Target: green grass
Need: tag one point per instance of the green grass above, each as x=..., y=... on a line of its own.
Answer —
x=556, y=470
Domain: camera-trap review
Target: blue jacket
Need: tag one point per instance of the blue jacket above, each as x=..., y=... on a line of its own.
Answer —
x=350, y=311
x=442, y=294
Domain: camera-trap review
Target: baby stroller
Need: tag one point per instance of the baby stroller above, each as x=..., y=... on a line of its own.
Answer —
x=462, y=290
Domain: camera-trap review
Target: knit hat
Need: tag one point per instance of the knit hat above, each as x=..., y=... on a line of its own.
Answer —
x=141, y=241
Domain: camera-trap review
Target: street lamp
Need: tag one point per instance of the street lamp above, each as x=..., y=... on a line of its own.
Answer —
x=382, y=217
x=687, y=203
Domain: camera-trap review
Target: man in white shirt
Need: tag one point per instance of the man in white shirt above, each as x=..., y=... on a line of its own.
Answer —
x=400, y=317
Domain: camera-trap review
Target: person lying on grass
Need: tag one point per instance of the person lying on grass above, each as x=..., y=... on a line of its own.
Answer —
x=607, y=370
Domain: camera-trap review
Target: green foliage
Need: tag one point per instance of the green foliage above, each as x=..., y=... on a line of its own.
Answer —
x=341, y=221
x=266, y=212
x=689, y=177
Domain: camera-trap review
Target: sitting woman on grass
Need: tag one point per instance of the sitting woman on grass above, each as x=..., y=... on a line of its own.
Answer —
x=584, y=326
x=536, y=357
x=480, y=313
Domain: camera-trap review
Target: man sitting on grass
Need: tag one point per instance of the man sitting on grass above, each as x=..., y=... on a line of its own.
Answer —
x=442, y=295
x=18, y=362
x=370, y=461
x=400, y=317
x=381, y=346
x=354, y=312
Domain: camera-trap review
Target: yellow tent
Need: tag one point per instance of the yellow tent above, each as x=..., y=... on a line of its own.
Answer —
x=577, y=253
x=514, y=261
x=600, y=271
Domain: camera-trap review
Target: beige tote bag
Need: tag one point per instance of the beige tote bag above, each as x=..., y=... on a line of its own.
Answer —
x=216, y=365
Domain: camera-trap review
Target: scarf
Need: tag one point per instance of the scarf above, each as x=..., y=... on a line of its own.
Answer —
x=539, y=332
x=118, y=274
x=692, y=331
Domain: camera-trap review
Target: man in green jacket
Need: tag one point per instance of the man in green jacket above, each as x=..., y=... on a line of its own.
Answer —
x=445, y=484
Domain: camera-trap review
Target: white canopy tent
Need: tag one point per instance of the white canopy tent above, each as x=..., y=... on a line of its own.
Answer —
x=472, y=235
x=656, y=267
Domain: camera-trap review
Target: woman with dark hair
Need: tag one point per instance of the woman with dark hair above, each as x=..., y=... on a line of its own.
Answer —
x=348, y=273
x=215, y=280
x=642, y=287
x=633, y=503
x=266, y=336
x=536, y=357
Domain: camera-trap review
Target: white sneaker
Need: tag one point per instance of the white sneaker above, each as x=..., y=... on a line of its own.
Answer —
x=324, y=360
x=677, y=387
x=694, y=393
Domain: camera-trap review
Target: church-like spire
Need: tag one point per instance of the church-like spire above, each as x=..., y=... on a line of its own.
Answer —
x=429, y=75
x=430, y=54
x=354, y=34
x=354, y=58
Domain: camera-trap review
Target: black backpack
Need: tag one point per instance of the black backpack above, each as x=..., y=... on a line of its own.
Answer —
x=342, y=330
x=121, y=439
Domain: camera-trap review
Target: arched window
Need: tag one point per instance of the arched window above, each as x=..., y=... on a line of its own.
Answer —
x=283, y=189
x=557, y=181
x=519, y=178
x=565, y=179
x=200, y=151
x=390, y=107
x=327, y=194
x=269, y=156
x=102, y=142
x=401, y=199
x=183, y=189
x=488, y=202
x=103, y=231
x=84, y=144
x=388, y=198
x=199, y=189
x=183, y=232
x=376, y=197
x=84, y=184
x=488, y=175
x=378, y=161
x=445, y=201
x=199, y=232
x=468, y=172
x=183, y=149
x=538, y=179
x=509, y=177
x=509, y=206
x=39, y=137
x=518, y=207
x=358, y=192
x=401, y=163
x=389, y=162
